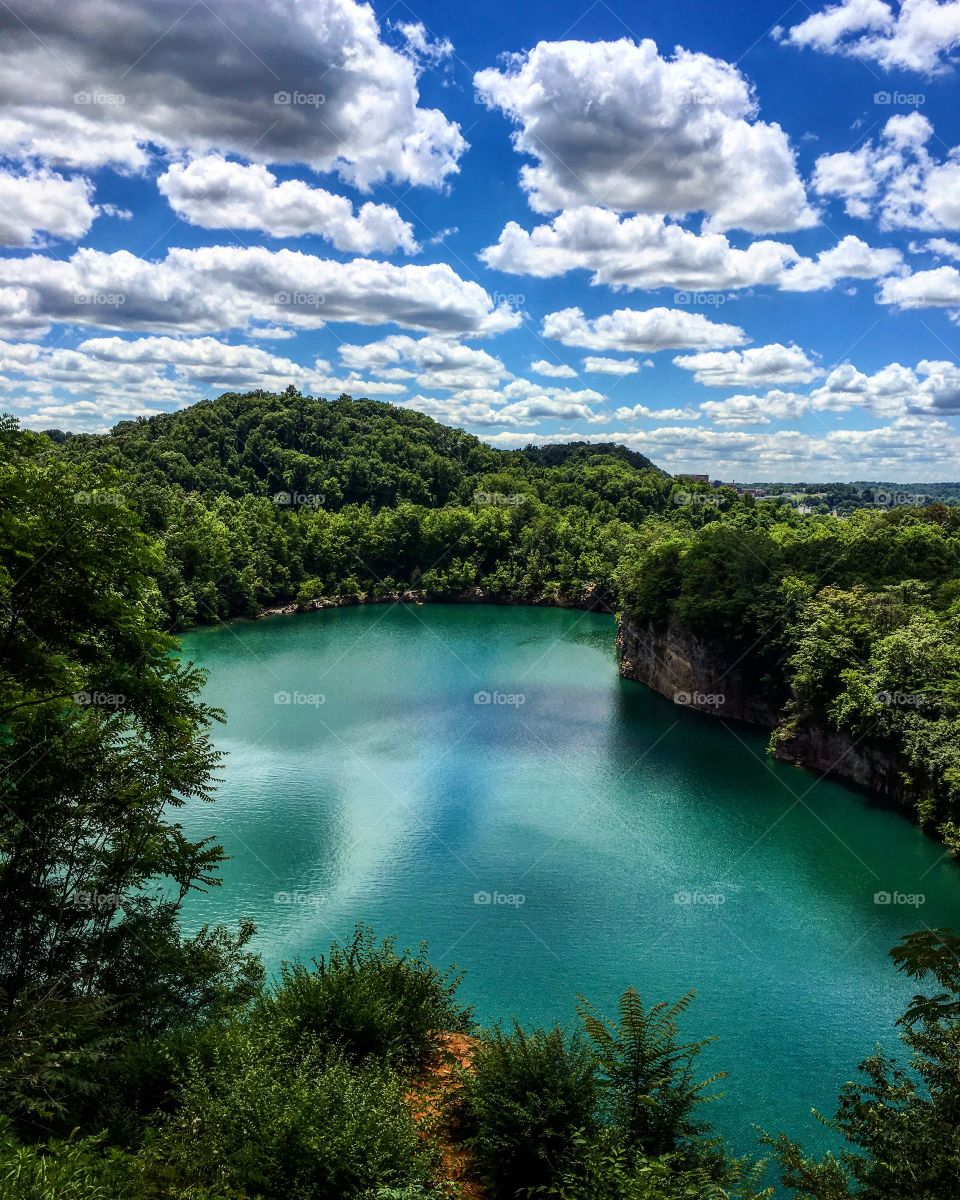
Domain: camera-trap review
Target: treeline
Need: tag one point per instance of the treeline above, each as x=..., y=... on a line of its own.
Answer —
x=260, y=499
x=848, y=625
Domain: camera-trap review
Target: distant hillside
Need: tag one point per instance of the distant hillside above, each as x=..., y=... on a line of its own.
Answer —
x=348, y=451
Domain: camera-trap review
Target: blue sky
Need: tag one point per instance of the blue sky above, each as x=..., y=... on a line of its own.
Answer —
x=728, y=236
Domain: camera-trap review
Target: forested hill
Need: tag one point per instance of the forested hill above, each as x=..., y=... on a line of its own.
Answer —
x=347, y=451
x=259, y=499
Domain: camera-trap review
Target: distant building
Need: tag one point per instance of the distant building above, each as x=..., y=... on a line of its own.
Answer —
x=693, y=478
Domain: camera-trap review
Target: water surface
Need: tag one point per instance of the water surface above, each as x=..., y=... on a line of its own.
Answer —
x=572, y=836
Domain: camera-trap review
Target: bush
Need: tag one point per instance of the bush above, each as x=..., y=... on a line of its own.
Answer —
x=364, y=1000
x=528, y=1098
x=261, y=1123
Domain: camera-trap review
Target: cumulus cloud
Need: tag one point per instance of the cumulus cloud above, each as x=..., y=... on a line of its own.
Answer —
x=107, y=378
x=217, y=288
x=649, y=252
x=292, y=81
x=640, y=330
x=760, y=366
x=895, y=178
x=434, y=362
x=907, y=448
x=218, y=194
x=552, y=370
x=610, y=366
x=939, y=288
x=893, y=392
x=615, y=124
x=35, y=202
x=915, y=35
x=657, y=414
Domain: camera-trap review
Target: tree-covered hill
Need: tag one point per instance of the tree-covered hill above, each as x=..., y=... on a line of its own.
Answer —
x=261, y=498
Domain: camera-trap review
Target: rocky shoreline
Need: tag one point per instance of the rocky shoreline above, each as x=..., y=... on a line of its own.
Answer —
x=683, y=668
x=589, y=599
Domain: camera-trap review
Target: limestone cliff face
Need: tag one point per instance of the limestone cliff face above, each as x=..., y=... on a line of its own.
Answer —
x=683, y=668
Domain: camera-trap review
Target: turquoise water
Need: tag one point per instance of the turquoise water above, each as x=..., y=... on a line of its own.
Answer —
x=620, y=840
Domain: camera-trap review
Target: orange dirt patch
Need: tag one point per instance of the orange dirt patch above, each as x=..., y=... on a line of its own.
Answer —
x=432, y=1100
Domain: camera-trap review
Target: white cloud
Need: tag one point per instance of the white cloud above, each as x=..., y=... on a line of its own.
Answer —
x=435, y=362
x=638, y=330
x=649, y=252
x=894, y=392
x=759, y=366
x=108, y=378
x=610, y=366
x=939, y=288
x=616, y=125
x=942, y=248
x=912, y=448
x=895, y=178
x=916, y=35
x=292, y=81
x=424, y=50
x=218, y=194
x=657, y=414
x=33, y=202
x=553, y=370
x=217, y=288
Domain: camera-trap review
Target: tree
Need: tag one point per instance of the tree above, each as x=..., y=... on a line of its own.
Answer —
x=104, y=735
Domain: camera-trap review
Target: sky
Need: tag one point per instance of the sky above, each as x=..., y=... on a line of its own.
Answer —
x=726, y=235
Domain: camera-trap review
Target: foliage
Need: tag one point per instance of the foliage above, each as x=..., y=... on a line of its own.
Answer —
x=257, y=1118
x=529, y=1095
x=365, y=1001
x=103, y=737
x=650, y=1075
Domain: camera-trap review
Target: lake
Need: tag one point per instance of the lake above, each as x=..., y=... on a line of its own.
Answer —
x=482, y=779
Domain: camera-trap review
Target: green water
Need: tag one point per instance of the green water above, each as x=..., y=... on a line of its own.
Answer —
x=398, y=799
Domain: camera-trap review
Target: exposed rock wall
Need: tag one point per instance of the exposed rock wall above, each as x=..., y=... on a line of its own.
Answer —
x=682, y=667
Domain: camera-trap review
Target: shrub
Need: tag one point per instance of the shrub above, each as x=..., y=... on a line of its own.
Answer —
x=364, y=1000
x=528, y=1097
x=259, y=1122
